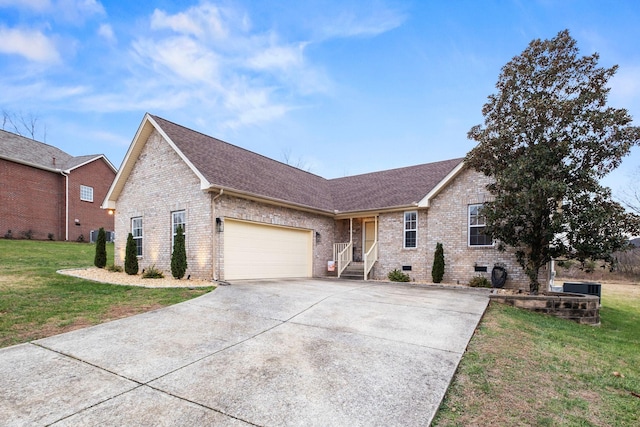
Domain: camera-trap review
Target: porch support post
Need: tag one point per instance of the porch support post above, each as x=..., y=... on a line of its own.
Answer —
x=375, y=236
x=351, y=230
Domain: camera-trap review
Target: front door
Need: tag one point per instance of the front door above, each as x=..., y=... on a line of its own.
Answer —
x=369, y=235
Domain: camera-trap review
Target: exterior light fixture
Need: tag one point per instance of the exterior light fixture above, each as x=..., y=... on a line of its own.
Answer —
x=219, y=225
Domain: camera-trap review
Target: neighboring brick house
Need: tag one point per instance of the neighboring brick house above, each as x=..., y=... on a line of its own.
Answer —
x=46, y=193
x=247, y=216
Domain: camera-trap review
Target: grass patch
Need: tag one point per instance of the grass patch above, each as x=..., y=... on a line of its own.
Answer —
x=36, y=302
x=523, y=368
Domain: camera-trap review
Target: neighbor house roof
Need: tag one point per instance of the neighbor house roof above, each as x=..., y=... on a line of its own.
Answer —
x=37, y=154
x=223, y=166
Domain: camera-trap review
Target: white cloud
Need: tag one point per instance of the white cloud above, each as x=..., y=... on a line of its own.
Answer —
x=37, y=5
x=198, y=21
x=366, y=23
x=183, y=57
x=31, y=44
x=278, y=57
x=106, y=31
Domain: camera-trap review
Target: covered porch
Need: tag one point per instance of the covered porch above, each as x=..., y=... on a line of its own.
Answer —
x=356, y=252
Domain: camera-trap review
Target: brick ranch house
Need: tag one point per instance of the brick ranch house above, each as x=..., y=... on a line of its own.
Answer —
x=46, y=193
x=246, y=216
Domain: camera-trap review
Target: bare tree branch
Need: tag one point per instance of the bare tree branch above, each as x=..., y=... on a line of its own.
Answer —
x=23, y=125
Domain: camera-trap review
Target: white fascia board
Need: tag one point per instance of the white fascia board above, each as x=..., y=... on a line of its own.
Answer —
x=424, y=203
x=93, y=159
x=139, y=140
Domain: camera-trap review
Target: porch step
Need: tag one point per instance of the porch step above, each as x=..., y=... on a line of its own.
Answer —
x=354, y=271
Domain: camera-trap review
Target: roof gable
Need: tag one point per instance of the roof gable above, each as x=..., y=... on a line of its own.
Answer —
x=227, y=166
x=223, y=166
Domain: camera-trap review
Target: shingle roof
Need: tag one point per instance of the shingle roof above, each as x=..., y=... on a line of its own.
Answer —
x=26, y=150
x=38, y=154
x=236, y=168
x=389, y=188
x=228, y=166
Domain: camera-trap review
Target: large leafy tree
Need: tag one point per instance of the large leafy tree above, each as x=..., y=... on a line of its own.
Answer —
x=548, y=138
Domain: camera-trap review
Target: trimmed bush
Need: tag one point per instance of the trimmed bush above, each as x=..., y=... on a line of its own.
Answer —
x=152, y=273
x=100, y=260
x=179, y=255
x=131, y=256
x=480, y=282
x=398, y=276
x=114, y=268
x=437, y=272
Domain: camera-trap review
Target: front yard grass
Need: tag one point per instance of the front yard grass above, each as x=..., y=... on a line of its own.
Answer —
x=36, y=302
x=523, y=368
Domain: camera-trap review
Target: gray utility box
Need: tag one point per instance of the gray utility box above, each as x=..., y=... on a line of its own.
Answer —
x=583, y=288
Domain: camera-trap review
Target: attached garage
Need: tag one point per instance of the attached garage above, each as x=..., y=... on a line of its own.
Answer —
x=262, y=251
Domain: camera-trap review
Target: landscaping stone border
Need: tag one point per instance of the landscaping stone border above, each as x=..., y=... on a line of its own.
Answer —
x=584, y=309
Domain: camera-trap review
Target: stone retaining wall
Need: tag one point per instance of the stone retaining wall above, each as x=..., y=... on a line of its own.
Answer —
x=583, y=309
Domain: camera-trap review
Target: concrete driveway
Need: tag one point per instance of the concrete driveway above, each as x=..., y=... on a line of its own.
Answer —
x=266, y=353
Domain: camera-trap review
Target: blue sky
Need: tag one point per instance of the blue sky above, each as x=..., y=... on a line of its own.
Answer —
x=339, y=86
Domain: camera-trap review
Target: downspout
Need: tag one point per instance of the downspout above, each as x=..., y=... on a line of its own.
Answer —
x=214, y=239
x=66, y=207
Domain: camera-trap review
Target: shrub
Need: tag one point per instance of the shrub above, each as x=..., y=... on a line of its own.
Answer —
x=152, y=273
x=115, y=268
x=50, y=236
x=437, y=272
x=179, y=255
x=28, y=234
x=100, y=260
x=8, y=235
x=480, y=282
x=80, y=238
x=131, y=256
x=398, y=276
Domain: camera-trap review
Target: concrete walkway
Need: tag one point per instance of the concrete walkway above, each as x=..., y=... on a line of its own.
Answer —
x=266, y=353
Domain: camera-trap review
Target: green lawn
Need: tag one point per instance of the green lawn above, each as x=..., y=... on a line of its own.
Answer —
x=36, y=302
x=523, y=368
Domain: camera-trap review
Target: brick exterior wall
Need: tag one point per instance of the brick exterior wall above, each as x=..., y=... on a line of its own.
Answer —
x=161, y=183
x=391, y=252
x=31, y=199
x=34, y=199
x=98, y=175
x=447, y=223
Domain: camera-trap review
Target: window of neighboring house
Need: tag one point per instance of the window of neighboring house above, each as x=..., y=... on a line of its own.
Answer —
x=86, y=193
x=178, y=218
x=411, y=229
x=136, y=231
x=477, y=224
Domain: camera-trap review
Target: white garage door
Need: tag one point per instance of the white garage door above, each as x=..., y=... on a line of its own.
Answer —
x=259, y=251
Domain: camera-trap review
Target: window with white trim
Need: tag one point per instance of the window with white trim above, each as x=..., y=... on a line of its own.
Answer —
x=411, y=229
x=136, y=231
x=86, y=193
x=178, y=218
x=477, y=225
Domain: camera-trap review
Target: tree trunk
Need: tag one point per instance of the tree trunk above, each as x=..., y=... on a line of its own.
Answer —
x=534, y=284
